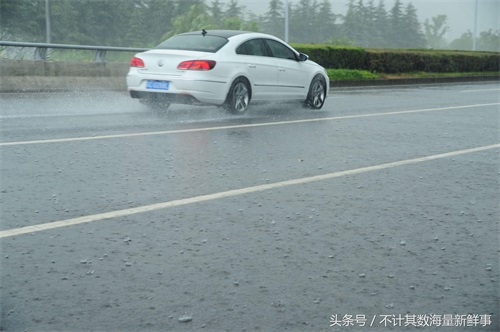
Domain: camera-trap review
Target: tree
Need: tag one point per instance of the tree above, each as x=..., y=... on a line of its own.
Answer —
x=233, y=9
x=183, y=6
x=144, y=23
x=435, y=31
x=462, y=43
x=103, y=22
x=251, y=25
x=65, y=25
x=232, y=23
x=216, y=10
x=23, y=20
x=325, y=22
x=274, y=21
x=412, y=34
x=302, y=21
x=137, y=24
x=354, y=22
x=396, y=25
x=380, y=26
x=487, y=41
x=159, y=17
x=196, y=18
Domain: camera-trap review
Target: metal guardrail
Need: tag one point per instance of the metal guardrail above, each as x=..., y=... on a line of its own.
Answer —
x=41, y=49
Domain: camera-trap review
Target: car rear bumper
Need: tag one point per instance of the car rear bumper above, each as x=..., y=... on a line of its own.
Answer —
x=180, y=90
x=166, y=97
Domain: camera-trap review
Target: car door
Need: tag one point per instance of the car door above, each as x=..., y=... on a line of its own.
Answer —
x=292, y=74
x=261, y=68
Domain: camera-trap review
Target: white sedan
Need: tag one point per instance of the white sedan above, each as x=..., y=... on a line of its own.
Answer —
x=225, y=68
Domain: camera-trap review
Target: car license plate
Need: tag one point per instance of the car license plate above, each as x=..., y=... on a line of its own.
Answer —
x=157, y=85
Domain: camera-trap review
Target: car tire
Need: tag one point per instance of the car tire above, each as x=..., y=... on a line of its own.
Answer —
x=317, y=93
x=238, y=97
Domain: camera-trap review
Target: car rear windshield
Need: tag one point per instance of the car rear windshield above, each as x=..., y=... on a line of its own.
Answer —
x=194, y=43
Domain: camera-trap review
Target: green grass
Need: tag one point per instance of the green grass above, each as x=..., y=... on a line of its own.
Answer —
x=348, y=74
x=427, y=75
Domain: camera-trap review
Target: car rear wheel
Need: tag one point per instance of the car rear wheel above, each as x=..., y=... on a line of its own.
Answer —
x=317, y=93
x=238, y=98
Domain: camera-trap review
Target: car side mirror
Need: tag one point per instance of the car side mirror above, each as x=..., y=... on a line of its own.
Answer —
x=303, y=57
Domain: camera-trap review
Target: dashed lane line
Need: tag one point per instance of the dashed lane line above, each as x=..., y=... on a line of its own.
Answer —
x=277, y=123
x=231, y=193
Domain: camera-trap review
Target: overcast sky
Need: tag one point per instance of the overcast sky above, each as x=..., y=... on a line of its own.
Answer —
x=460, y=13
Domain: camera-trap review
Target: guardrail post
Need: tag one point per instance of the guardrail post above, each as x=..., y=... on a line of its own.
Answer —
x=41, y=53
x=100, y=56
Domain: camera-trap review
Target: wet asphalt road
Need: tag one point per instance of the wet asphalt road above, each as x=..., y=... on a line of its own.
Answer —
x=382, y=205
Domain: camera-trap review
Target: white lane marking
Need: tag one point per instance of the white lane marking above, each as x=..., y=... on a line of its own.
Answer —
x=230, y=193
x=168, y=132
x=483, y=90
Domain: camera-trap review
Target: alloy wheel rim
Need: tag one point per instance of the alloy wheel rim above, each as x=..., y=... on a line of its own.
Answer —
x=240, y=97
x=318, y=94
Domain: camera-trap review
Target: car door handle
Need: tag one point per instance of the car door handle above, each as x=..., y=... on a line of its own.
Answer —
x=252, y=66
x=281, y=69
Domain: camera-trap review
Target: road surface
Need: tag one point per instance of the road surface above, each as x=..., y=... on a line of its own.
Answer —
x=378, y=213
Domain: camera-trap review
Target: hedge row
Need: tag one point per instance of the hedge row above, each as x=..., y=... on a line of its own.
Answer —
x=334, y=57
x=401, y=61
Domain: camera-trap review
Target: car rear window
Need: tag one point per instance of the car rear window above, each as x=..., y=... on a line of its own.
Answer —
x=194, y=43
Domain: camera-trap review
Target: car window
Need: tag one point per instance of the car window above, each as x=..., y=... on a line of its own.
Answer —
x=280, y=51
x=252, y=47
x=194, y=43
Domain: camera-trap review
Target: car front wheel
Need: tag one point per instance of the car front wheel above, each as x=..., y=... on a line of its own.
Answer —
x=317, y=93
x=238, y=98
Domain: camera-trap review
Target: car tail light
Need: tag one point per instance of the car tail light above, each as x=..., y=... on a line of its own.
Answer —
x=196, y=65
x=136, y=62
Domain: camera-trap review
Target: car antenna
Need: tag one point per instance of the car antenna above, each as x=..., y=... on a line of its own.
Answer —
x=203, y=32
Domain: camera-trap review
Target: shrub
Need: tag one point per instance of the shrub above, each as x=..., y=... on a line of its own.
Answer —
x=338, y=57
x=404, y=61
x=400, y=61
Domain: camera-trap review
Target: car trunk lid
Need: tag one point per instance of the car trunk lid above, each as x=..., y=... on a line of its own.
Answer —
x=165, y=62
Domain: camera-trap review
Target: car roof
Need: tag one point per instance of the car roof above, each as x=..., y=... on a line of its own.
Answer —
x=218, y=33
